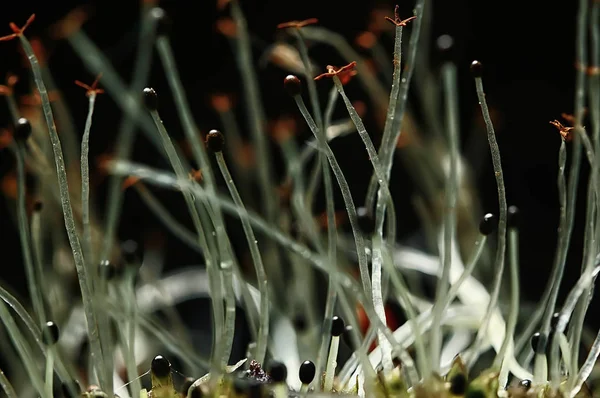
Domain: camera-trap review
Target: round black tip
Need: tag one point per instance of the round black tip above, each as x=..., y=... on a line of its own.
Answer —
x=292, y=85
x=38, y=205
x=195, y=393
x=476, y=68
x=458, y=384
x=215, y=141
x=307, y=372
x=277, y=371
x=163, y=22
x=300, y=323
x=525, y=384
x=247, y=387
x=50, y=333
x=337, y=326
x=366, y=223
x=538, y=343
x=513, y=217
x=107, y=270
x=160, y=366
x=487, y=224
x=22, y=130
x=255, y=390
x=150, y=99
x=130, y=251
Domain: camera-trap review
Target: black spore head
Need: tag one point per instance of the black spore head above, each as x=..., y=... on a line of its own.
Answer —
x=247, y=387
x=458, y=384
x=38, y=205
x=160, y=366
x=22, y=130
x=307, y=372
x=366, y=222
x=277, y=371
x=525, y=384
x=215, y=141
x=300, y=323
x=476, y=69
x=50, y=333
x=337, y=326
x=487, y=225
x=195, y=393
x=292, y=85
x=150, y=99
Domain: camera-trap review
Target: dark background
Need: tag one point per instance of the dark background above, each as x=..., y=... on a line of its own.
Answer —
x=527, y=49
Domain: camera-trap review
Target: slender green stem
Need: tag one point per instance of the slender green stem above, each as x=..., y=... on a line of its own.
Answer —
x=83, y=275
x=347, y=196
x=199, y=152
x=388, y=143
x=85, y=181
x=501, y=248
x=385, y=198
x=507, y=348
x=208, y=252
x=581, y=60
x=7, y=386
x=449, y=227
x=261, y=276
x=25, y=236
x=391, y=109
x=255, y=115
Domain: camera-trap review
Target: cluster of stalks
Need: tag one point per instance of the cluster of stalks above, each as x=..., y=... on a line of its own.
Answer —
x=466, y=339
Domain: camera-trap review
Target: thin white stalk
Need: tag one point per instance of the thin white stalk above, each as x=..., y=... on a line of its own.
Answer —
x=128, y=99
x=23, y=350
x=25, y=236
x=388, y=143
x=255, y=115
x=507, y=348
x=391, y=109
x=581, y=60
x=384, y=198
x=203, y=240
x=199, y=152
x=501, y=249
x=348, y=201
x=261, y=276
x=83, y=275
x=7, y=386
x=449, y=226
x=85, y=180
